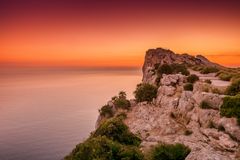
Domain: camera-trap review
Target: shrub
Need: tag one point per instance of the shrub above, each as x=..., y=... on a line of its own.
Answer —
x=225, y=76
x=103, y=148
x=188, y=87
x=106, y=111
x=122, y=115
x=192, y=78
x=170, y=152
x=165, y=69
x=116, y=130
x=172, y=68
x=231, y=107
x=207, y=70
x=208, y=81
x=121, y=101
x=180, y=68
x=234, y=88
x=205, y=105
x=145, y=92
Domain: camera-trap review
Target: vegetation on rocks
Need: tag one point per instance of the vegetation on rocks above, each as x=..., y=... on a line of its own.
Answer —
x=207, y=70
x=205, y=105
x=225, y=76
x=172, y=69
x=192, y=78
x=231, y=107
x=116, y=130
x=106, y=111
x=234, y=88
x=121, y=101
x=145, y=92
x=112, y=140
x=102, y=148
x=170, y=152
x=188, y=87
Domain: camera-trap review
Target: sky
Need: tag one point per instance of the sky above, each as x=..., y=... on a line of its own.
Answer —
x=116, y=33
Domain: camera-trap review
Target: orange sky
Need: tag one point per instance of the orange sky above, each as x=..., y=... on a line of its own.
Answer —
x=116, y=34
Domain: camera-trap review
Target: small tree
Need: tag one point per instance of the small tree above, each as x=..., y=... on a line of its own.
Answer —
x=145, y=92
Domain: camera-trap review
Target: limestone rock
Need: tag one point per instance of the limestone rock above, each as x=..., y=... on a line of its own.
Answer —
x=166, y=56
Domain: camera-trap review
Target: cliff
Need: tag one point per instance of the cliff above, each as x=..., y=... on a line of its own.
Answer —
x=182, y=102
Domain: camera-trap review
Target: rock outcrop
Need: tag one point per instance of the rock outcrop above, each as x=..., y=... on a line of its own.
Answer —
x=165, y=56
x=176, y=115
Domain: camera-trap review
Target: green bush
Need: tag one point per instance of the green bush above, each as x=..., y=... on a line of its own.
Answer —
x=205, y=105
x=121, y=101
x=116, y=130
x=231, y=107
x=122, y=115
x=188, y=87
x=180, y=68
x=164, y=69
x=225, y=76
x=170, y=152
x=172, y=69
x=145, y=92
x=234, y=88
x=106, y=111
x=208, y=81
x=102, y=148
x=207, y=70
x=192, y=78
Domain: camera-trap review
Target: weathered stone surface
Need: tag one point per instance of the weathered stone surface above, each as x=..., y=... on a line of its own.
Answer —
x=172, y=79
x=230, y=125
x=214, y=100
x=166, y=90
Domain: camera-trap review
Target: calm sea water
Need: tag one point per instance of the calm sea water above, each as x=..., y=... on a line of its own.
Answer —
x=45, y=113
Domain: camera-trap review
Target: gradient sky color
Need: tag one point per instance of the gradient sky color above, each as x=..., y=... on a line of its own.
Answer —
x=92, y=33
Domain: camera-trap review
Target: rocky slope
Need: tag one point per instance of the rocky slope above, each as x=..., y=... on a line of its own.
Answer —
x=176, y=115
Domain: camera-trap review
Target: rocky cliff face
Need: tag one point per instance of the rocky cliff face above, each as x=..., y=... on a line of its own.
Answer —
x=164, y=56
x=176, y=115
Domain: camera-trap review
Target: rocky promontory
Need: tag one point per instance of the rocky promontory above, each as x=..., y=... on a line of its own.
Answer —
x=182, y=100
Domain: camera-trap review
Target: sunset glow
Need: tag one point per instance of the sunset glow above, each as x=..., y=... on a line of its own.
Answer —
x=111, y=33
